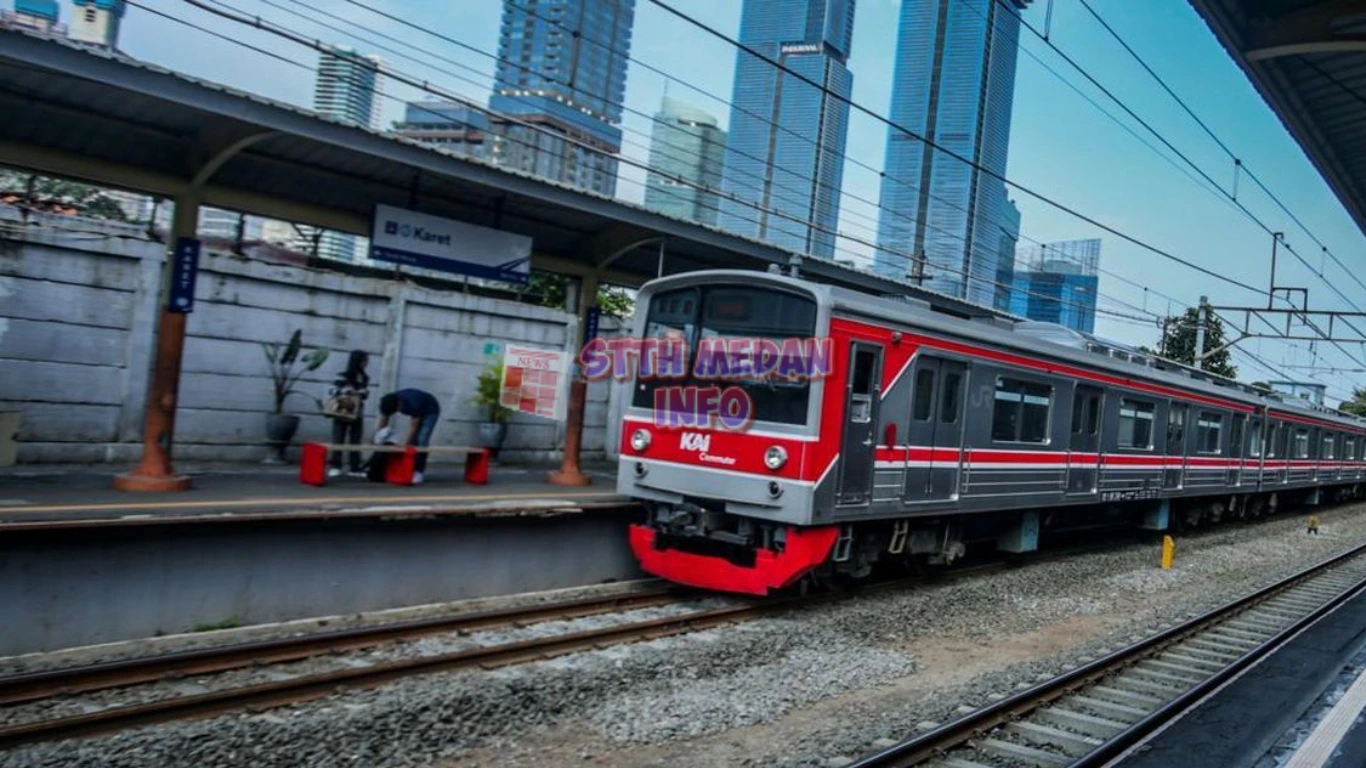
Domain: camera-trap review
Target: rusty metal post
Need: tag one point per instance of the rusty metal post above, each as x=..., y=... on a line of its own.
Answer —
x=155, y=472
x=569, y=472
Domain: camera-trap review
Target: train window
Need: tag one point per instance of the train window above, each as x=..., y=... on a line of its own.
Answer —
x=1299, y=444
x=1349, y=448
x=1208, y=431
x=948, y=412
x=1093, y=415
x=1176, y=428
x=865, y=364
x=1330, y=444
x=1273, y=441
x=1020, y=413
x=1136, y=424
x=1254, y=440
x=924, y=393
x=1235, y=436
x=1085, y=412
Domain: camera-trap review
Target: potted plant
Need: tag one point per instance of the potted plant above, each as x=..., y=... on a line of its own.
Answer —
x=488, y=395
x=286, y=368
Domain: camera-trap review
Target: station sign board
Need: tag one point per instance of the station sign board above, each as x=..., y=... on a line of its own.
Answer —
x=401, y=236
x=184, y=275
x=535, y=381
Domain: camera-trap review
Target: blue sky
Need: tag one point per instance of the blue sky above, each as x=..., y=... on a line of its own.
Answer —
x=1061, y=146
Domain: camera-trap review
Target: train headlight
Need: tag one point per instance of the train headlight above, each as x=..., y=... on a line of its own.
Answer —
x=640, y=440
x=775, y=457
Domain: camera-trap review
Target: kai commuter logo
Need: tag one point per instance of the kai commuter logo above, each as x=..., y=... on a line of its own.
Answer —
x=713, y=385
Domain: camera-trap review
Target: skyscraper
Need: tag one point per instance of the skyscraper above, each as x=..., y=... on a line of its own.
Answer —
x=347, y=89
x=1058, y=283
x=96, y=22
x=562, y=69
x=1005, y=265
x=785, y=152
x=687, y=150
x=954, y=83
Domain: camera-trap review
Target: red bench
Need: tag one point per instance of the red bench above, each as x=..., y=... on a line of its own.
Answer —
x=399, y=470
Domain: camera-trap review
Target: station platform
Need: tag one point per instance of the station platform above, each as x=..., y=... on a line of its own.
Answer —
x=67, y=496
x=1302, y=707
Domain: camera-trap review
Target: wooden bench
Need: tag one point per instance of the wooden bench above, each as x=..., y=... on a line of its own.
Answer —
x=399, y=471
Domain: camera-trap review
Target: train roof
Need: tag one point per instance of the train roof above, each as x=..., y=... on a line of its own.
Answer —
x=1013, y=332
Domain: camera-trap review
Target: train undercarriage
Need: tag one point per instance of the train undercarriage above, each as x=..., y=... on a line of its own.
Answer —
x=693, y=544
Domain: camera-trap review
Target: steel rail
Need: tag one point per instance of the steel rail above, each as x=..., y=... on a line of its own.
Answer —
x=32, y=686
x=940, y=741
x=307, y=687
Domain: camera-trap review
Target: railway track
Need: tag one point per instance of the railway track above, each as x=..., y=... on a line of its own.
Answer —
x=1091, y=714
x=38, y=686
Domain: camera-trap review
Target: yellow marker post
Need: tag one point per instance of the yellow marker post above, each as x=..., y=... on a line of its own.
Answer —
x=1314, y=524
x=1168, y=552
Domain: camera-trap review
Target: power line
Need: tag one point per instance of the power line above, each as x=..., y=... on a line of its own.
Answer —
x=934, y=145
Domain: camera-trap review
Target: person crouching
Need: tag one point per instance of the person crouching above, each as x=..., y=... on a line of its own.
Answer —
x=423, y=412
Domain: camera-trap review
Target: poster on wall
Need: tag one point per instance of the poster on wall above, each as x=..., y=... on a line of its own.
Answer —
x=535, y=381
x=400, y=236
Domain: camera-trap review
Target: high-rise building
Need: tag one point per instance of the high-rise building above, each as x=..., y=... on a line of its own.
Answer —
x=96, y=22
x=953, y=83
x=347, y=89
x=1005, y=265
x=785, y=150
x=562, y=78
x=687, y=150
x=1058, y=283
x=452, y=126
x=36, y=15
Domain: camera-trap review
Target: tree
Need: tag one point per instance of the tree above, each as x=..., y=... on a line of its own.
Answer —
x=552, y=288
x=89, y=200
x=1178, y=343
x=1357, y=405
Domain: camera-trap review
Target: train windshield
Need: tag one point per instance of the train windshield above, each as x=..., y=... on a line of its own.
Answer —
x=708, y=318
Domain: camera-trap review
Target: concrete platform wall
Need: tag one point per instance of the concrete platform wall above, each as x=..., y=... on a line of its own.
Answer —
x=77, y=328
x=65, y=589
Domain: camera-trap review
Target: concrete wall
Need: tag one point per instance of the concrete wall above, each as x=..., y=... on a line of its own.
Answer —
x=78, y=310
x=131, y=584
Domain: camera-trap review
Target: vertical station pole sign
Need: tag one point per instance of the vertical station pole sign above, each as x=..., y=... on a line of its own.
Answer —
x=184, y=275
x=417, y=239
x=593, y=317
x=535, y=381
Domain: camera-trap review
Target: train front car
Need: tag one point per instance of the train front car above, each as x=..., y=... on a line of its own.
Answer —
x=722, y=436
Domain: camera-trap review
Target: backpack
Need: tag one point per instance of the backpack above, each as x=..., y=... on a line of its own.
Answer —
x=378, y=464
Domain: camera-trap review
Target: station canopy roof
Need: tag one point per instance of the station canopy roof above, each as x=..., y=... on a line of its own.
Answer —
x=102, y=117
x=1308, y=60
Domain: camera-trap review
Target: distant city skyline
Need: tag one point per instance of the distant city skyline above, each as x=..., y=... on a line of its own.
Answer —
x=953, y=81
x=784, y=157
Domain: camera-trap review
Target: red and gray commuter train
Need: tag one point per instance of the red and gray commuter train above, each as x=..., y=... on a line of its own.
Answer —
x=933, y=431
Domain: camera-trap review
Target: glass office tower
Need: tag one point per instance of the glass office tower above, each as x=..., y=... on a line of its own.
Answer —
x=954, y=82
x=687, y=150
x=562, y=68
x=785, y=150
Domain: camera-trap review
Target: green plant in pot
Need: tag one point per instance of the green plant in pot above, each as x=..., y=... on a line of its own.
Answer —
x=488, y=396
x=288, y=363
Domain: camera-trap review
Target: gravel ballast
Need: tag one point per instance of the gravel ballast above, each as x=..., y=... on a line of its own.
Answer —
x=804, y=688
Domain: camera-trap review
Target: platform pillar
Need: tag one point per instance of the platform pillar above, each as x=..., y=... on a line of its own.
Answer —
x=155, y=472
x=1023, y=536
x=1158, y=517
x=569, y=472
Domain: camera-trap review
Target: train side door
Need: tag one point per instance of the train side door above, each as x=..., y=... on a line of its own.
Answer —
x=862, y=396
x=1175, y=461
x=947, y=442
x=936, y=429
x=1083, y=457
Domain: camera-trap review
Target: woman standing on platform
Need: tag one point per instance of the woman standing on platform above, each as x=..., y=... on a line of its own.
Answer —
x=346, y=406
